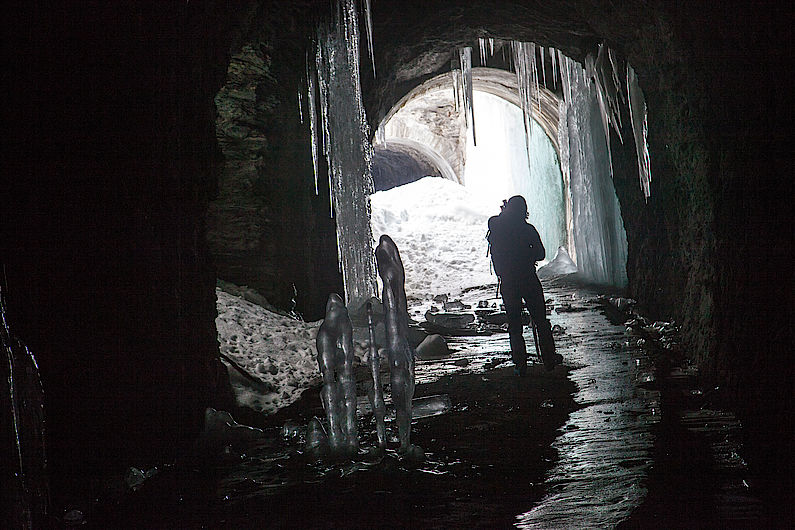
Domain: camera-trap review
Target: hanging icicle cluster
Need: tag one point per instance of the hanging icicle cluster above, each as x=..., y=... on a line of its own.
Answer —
x=640, y=129
x=603, y=73
x=524, y=62
x=461, y=72
x=483, y=44
x=338, y=123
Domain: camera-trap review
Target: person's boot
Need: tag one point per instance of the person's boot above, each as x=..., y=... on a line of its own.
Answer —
x=547, y=345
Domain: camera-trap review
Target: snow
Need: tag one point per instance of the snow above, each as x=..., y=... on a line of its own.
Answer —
x=439, y=228
x=277, y=349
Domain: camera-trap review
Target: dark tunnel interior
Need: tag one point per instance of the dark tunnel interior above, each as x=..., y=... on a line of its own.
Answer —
x=153, y=148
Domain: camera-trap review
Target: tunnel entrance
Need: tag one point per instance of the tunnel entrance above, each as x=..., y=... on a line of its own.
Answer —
x=496, y=163
x=440, y=226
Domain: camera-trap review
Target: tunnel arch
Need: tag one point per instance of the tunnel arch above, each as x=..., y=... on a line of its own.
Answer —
x=403, y=160
x=438, y=91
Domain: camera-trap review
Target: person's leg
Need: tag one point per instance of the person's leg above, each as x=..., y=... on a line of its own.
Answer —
x=512, y=299
x=534, y=299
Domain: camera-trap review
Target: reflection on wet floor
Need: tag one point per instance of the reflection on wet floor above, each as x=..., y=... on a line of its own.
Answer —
x=604, y=449
x=595, y=475
x=606, y=446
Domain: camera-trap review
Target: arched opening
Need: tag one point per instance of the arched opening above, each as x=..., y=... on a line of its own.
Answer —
x=564, y=173
x=403, y=160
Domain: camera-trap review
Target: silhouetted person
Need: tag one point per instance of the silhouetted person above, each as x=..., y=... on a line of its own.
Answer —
x=335, y=359
x=515, y=248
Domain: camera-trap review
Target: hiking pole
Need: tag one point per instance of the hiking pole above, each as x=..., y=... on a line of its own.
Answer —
x=535, y=339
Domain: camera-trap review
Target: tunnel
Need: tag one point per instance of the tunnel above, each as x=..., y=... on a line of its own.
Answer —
x=155, y=151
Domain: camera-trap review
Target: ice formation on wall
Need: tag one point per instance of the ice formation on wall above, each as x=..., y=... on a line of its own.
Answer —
x=502, y=152
x=603, y=72
x=590, y=108
x=334, y=80
x=599, y=239
x=640, y=129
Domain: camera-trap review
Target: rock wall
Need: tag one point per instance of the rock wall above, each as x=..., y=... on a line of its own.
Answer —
x=109, y=166
x=267, y=228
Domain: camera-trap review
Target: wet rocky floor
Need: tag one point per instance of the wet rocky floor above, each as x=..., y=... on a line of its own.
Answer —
x=608, y=439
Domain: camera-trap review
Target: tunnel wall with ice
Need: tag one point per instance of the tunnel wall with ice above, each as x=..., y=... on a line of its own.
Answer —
x=115, y=152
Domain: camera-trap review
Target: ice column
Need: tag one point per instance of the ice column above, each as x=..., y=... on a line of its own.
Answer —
x=346, y=146
x=640, y=129
x=600, y=244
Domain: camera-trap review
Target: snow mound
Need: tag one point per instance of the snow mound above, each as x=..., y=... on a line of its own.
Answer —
x=440, y=230
x=278, y=350
x=560, y=265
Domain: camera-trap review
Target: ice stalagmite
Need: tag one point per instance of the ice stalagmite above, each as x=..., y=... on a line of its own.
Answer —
x=335, y=359
x=347, y=148
x=401, y=353
x=376, y=395
x=640, y=129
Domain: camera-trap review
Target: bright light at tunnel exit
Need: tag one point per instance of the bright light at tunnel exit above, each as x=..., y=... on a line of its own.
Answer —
x=499, y=167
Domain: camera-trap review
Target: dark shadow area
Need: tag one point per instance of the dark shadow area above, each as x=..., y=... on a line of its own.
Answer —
x=392, y=168
x=486, y=461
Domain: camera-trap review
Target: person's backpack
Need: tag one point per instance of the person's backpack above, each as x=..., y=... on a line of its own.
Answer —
x=498, y=247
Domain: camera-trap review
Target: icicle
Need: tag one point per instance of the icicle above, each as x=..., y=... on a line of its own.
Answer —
x=491, y=47
x=552, y=54
x=638, y=114
x=543, y=70
x=369, y=22
x=300, y=106
x=455, y=74
x=482, y=47
x=534, y=70
x=380, y=134
x=524, y=65
x=465, y=58
x=565, y=75
x=310, y=77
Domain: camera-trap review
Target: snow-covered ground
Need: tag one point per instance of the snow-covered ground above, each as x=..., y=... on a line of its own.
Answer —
x=439, y=228
x=277, y=349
